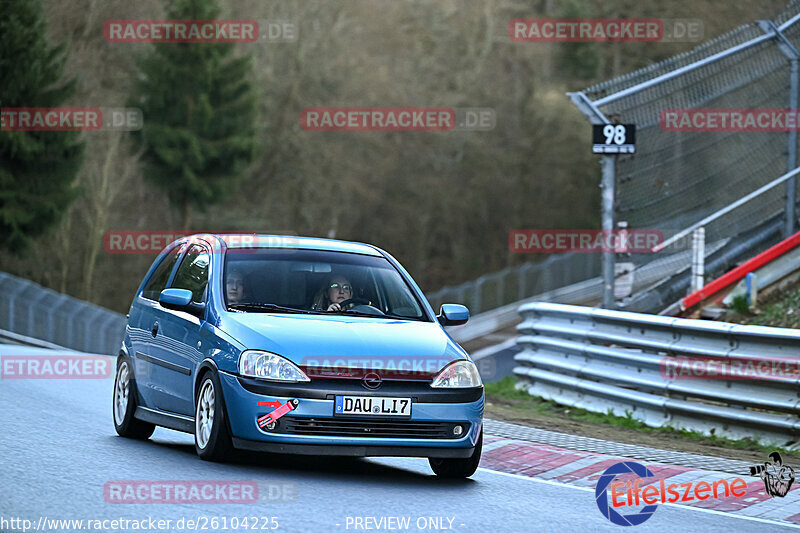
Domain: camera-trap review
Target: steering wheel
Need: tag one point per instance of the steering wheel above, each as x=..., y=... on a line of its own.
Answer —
x=352, y=302
x=360, y=304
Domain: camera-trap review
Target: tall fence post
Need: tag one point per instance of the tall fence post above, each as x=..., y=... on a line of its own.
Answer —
x=788, y=49
x=791, y=156
x=608, y=227
x=592, y=112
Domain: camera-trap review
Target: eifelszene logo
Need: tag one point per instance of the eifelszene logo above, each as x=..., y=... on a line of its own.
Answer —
x=600, y=494
x=632, y=493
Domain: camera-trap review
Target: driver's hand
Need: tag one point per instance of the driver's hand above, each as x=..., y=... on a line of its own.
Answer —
x=334, y=307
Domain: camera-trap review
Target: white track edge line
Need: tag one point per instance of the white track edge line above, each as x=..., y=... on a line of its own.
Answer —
x=689, y=507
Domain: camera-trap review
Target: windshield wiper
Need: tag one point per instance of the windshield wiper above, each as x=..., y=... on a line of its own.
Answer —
x=253, y=306
x=404, y=317
x=373, y=315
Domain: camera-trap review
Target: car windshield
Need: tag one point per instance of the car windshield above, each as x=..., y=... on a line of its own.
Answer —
x=316, y=281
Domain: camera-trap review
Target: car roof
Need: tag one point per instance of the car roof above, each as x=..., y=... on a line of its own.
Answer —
x=253, y=240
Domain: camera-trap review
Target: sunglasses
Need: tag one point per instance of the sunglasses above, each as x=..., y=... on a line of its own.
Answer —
x=344, y=286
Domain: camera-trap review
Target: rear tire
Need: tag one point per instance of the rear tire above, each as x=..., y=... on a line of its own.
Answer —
x=458, y=468
x=123, y=404
x=212, y=435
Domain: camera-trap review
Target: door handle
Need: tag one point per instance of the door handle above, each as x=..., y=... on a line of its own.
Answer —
x=155, y=329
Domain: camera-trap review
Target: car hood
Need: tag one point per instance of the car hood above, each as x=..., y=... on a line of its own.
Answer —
x=304, y=338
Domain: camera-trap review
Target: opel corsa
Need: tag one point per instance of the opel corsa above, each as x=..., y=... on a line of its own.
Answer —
x=296, y=345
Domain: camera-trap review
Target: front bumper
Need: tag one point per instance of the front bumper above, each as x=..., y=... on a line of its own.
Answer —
x=316, y=402
x=352, y=451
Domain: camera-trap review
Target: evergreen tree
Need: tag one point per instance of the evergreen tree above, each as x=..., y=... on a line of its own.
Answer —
x=199, y=109
x=37, y=168
x=579, y=60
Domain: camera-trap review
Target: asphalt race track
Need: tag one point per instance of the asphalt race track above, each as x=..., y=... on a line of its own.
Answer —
x=60, y=450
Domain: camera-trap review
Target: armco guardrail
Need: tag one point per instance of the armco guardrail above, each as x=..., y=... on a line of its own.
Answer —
x=603, y=361
x=30, y=310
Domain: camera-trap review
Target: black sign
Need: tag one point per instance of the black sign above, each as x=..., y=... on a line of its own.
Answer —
x=614, y=138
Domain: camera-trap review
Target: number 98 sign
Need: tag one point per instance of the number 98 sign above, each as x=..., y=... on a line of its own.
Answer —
x=614, y=138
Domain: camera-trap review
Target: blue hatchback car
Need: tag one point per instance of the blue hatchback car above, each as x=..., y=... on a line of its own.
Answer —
x=296, y=345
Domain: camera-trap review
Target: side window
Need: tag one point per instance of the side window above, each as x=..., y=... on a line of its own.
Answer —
x=193, y=273
x=158, y=281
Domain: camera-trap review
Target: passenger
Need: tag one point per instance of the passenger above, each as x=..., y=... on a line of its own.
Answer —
x=234, y=286
x=332, y=294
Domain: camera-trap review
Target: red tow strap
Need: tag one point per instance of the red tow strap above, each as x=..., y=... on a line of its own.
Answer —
x=277, y=413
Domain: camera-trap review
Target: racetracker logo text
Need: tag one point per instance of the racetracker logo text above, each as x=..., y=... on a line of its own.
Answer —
x=167, y=491
x=199, y=31
x=153, y=241
x=728, y=120
x=397, y=119
x=55, y=367
x=553, y=241
x=70, y=119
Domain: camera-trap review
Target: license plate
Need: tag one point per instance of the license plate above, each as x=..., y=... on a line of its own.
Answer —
x=374, y=406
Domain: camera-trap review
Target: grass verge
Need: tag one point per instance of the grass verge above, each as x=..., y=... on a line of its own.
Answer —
x=505, y=400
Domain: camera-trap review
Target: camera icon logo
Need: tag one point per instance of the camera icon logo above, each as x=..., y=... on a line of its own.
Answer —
x=777, y=477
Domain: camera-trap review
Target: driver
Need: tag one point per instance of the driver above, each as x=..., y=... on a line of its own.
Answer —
x=332, y=294
x=234, y=286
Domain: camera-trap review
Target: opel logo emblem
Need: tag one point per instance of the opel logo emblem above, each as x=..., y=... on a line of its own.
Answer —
x=372, y=381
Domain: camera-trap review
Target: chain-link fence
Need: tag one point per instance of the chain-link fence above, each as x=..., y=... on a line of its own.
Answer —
x=676, y=178
x=520, y=282
x=29, y=309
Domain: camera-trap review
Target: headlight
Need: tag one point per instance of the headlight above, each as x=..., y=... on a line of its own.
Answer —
x=266, y=365
x=458, y=375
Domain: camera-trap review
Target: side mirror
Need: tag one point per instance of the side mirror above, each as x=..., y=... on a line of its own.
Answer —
x=453, y=315
x=180, y=300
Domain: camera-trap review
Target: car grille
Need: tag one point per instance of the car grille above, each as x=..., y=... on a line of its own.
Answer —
x=347, y=427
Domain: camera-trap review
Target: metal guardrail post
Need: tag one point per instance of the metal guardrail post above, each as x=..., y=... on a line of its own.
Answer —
x=462, y=294
x=70, y=325
x=32, y=303
x=501, y=287
x=751, y=282
x=112, y=332
x=698, y=260
x=522, y=284
x=12, y=297
x=478, y=294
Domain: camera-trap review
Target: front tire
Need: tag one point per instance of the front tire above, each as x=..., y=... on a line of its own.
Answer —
x=123, y=405
x=212, y=436
x=458, y=468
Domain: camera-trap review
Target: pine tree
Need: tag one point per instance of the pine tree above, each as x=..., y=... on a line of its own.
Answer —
x=37, y=168
x=199, y=108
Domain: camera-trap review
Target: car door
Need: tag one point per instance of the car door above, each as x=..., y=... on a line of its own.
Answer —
x=141, y=318
x=176, y=349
